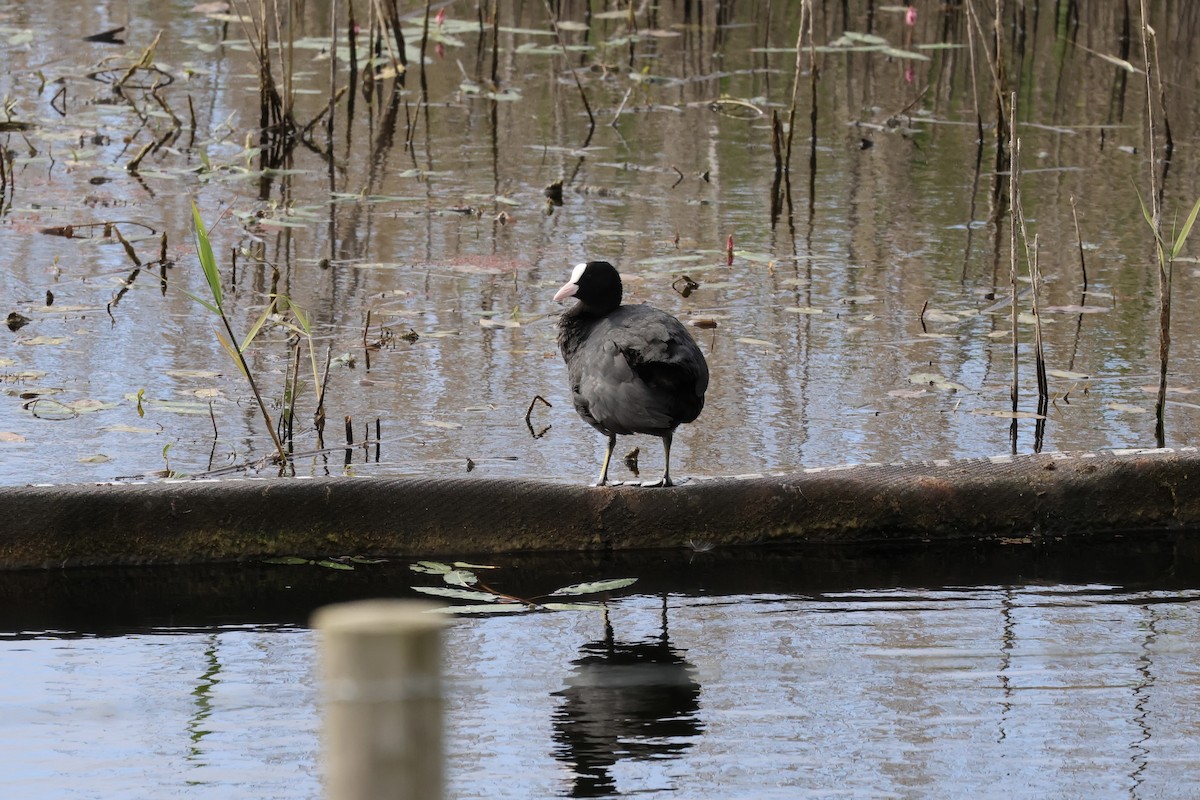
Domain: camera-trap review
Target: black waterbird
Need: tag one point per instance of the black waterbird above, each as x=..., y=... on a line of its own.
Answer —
x=633, y=368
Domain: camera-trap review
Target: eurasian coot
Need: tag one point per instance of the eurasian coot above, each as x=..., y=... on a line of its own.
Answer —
x=633, y=369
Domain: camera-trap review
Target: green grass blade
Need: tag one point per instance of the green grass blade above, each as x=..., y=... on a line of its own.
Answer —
x=204, y=303
x=301, y=317
x=1181, y=239
x=233, y=353
x=257, y=326
x=207, y=261
x=1149, y=219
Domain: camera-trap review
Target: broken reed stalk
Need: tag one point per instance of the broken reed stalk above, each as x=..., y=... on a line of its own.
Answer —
x=1001, y=87
x=996, y=67
x=1164, y=275
x=1168, y=140
x=333, y=34
x=787, y=150
x=495, y=43
x=1017, y=212
x=975, y=77
x=567, y=59
x=1013, y=200
x=319, y=414
x=1079, y=243
x=192, y=122
x=291, y=391
x=1039, y=353
x=424, y=44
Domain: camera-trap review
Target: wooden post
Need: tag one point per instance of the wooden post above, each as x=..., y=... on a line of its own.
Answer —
x=381, y=673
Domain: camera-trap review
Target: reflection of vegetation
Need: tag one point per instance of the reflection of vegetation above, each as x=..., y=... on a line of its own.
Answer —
x=202, y=694
x=463, y=584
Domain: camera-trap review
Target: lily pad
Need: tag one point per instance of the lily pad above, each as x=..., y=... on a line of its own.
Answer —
x=458, y=594
x=1007, y=413
x=594, y=586
x=494, y=608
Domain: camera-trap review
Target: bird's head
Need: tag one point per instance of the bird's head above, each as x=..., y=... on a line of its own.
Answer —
x=596, y=285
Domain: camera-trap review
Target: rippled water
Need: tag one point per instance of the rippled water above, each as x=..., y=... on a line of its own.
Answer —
x=830, y=319
x=1051, y=680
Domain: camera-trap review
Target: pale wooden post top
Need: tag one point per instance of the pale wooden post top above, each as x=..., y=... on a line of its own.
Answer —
x=378, y=617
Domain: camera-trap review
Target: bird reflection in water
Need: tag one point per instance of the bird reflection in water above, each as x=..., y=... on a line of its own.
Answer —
x=624, y=700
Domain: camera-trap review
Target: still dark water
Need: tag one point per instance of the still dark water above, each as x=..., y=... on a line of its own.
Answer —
x=1005, y=672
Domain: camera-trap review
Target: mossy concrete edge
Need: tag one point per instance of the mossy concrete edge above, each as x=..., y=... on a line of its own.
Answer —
x=181, y=522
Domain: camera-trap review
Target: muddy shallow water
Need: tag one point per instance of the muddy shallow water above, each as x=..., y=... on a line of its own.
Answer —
x=994, y=671
x=861, y=325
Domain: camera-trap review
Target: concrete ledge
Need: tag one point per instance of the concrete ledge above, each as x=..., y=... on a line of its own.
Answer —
x=209, y=521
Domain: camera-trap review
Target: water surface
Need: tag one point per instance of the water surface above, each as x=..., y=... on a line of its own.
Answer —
x=833, y=317
x=1021, y=672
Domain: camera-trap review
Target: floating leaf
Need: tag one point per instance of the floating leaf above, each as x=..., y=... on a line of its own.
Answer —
x=458, y=594
x=460, y=577
x=1127, y=408
x=758, y=258
x=9, y=436
x=669, y=259
x=98, y=458
x=1075, y=309
x=1068, y=375
x=757, y=342
x=465, y=565
x=1117, y=62
x=325, y=562
x=289, y=560
x=934, y=379
x=594, y=586
x=494, y=608
x=573, y=606
x=1007, y=414
x=488, y=322
x=431, y=567
x=863, y=38
x=89, y=405
x=173, y=406
x=894, y=52
x=934, y=315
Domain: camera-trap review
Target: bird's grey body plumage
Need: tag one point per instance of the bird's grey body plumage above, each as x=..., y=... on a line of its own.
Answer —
x=632, y=368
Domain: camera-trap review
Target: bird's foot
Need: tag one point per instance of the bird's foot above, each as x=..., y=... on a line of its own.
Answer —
x=661, y=482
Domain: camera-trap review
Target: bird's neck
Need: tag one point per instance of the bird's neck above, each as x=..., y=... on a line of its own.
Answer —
x=573, y=327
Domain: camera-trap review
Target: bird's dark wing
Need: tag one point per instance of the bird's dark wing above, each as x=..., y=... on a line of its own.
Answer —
x=656, y=376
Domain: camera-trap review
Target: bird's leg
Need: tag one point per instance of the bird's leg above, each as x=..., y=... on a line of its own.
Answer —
x=612, y=442
x=665, y=480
